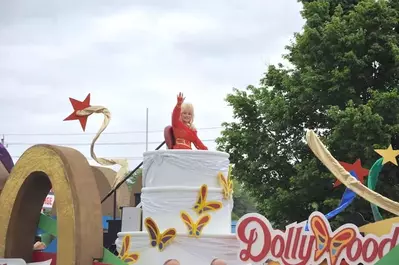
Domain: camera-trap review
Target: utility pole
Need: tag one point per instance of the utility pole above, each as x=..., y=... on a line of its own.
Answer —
x=146, y=131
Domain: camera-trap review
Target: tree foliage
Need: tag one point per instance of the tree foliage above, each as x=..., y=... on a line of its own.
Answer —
x=243, y=203
x=130, y=181
x=342, y=82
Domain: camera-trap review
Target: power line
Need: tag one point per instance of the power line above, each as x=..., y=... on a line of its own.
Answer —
x=86, y=144
x=122, y=132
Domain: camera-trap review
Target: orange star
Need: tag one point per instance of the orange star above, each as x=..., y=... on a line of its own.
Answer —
x=360, y=172
x=79, y=105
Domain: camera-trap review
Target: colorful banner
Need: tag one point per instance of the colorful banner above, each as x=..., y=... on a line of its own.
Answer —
x=48, y=202
x=259, y=242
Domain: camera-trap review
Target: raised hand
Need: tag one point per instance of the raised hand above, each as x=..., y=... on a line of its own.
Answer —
x=180, y=98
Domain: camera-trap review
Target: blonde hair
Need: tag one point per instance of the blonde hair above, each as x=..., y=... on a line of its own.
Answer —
x=190, y=108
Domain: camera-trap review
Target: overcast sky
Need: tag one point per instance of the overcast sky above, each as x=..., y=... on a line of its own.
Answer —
x=131, y=55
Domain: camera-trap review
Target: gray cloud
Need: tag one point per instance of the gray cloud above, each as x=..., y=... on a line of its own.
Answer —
x=131, y=56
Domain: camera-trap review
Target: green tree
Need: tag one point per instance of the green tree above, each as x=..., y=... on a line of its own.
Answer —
x=130, y=181
x=243, y=202
x=342, y=82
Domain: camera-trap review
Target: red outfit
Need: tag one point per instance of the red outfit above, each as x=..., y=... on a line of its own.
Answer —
x=183, y=134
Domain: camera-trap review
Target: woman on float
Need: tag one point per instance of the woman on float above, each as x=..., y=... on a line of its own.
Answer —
x=183, y=127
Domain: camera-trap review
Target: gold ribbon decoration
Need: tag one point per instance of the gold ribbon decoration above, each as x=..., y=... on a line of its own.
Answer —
x=82, y=110
x=346, y=178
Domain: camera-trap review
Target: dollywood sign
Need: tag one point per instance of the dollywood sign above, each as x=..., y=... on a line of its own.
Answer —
x=260, y=242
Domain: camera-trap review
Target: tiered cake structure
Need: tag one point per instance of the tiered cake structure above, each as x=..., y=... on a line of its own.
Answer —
x=187, y=205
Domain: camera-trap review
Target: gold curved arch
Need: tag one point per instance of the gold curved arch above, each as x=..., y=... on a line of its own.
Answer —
x=67, y=171
x=3, y=176
x=104, y=187
x=379, y=228
x=104, y=179
x=122, y=194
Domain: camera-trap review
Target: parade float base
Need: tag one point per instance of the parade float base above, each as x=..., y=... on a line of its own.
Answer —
x=39, y=256
x=188, y=250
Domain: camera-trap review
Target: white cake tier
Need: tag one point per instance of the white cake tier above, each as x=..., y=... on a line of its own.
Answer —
x=184, y=168
x=164, y=205
x=187, y=250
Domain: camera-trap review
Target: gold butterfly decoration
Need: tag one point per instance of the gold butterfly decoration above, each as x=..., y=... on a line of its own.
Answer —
x=227, y=185
x=202, y=206
x=194, y=228
x=160, y=240
x=125, y=255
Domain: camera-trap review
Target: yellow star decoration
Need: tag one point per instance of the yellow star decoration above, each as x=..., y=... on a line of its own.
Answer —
x=389, y=155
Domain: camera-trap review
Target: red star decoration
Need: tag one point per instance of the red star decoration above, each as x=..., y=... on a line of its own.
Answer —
x=360, y=172
x=79, y=105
